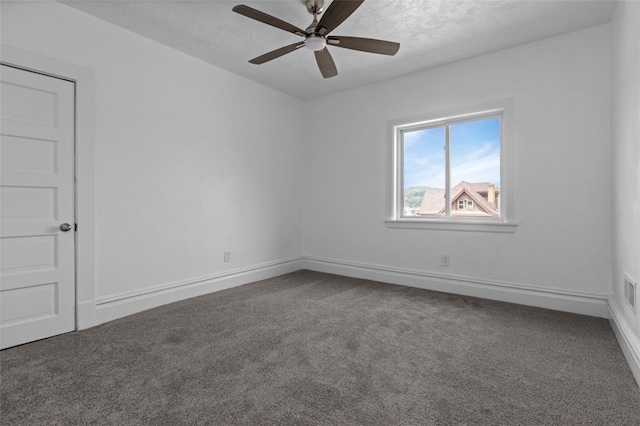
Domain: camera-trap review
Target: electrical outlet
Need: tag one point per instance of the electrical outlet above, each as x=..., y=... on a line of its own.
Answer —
x=227, y=256
x=445, y=260
x=630, y=287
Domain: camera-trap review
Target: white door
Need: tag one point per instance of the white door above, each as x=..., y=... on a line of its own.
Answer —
x=37, y=270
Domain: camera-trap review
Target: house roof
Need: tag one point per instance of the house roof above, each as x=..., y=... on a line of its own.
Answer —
x=479, y=186
x=433, y=201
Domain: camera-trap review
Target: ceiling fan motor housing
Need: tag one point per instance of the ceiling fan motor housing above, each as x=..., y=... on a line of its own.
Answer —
x=314, y=7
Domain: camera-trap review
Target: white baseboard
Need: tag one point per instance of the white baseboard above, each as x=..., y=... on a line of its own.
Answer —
x=628, y=341
x=127, y=303
x=122, y=304
x=85, y=314
x=556, y=299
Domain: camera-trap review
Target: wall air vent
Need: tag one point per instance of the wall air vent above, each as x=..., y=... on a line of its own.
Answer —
x=630, y=287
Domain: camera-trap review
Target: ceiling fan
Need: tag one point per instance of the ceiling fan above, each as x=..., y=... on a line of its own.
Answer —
x=316, y=36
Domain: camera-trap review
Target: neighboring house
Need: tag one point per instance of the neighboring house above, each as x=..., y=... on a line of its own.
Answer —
x=467, y=199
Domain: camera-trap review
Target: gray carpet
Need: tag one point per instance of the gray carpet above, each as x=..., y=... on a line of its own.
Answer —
x=311, y=348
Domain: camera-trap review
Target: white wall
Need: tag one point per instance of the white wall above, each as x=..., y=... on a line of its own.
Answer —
x=190, y=160
x=562, y=172
x=625, y=165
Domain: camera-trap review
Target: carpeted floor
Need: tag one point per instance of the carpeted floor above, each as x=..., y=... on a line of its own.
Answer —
x=311, y=348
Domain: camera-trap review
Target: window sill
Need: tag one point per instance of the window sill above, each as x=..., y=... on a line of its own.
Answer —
x=448, y=225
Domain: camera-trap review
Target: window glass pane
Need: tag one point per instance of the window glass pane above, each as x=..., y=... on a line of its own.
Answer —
x=424, y=171
x=475, y=166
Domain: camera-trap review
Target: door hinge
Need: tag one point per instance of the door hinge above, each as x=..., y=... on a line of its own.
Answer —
x=75, y=227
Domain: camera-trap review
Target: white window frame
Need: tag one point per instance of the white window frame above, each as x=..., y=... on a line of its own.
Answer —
x=506, y=221
x=460, y=204
x=469, y=204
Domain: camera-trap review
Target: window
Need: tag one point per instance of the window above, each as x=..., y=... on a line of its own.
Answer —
x=451, y=171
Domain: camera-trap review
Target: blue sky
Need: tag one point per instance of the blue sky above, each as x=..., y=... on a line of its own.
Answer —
x=475, y=154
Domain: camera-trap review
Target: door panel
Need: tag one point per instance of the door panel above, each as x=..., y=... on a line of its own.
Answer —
x=27, y=203
x=37, y=270
x=36, y=106
x=28, y=155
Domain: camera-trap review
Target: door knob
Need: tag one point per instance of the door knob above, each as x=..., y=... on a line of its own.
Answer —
x=65, y=227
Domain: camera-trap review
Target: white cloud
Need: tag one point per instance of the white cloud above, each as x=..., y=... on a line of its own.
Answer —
x=481, y=165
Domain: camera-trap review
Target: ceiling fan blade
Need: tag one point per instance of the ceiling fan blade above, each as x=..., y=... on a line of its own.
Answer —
x=268, y=19
x=370, y=45
x=276, y=53
x=325, y=63
x=336, y=13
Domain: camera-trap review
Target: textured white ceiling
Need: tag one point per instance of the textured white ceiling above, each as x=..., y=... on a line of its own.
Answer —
x=430, y=32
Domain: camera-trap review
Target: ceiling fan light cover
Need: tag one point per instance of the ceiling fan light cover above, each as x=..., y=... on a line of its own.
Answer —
x=315, y=43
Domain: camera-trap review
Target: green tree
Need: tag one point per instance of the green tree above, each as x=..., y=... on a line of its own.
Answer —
x=413, y=196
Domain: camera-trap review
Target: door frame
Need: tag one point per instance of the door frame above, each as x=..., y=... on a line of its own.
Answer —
x=84, y=169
